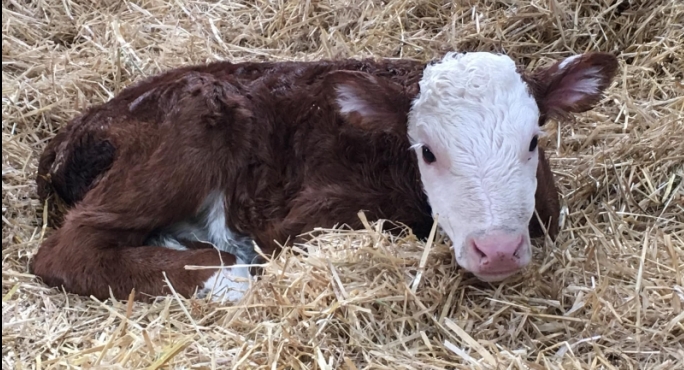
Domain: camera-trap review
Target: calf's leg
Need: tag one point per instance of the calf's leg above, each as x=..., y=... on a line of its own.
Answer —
x=74, y=258
x=102, y=245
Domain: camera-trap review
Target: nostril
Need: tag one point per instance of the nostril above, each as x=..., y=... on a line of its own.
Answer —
x=519, y=248
x=478, y=251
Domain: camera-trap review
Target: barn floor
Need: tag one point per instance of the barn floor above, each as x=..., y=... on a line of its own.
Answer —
x=607, y=294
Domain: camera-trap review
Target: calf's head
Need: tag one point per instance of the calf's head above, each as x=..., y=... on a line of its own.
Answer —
x=474, y=126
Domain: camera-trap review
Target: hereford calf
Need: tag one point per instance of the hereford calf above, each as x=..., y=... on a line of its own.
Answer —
x=191, y=166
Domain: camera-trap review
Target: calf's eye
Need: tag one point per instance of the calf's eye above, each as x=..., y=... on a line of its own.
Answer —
x=428, y=157
x=533, y=143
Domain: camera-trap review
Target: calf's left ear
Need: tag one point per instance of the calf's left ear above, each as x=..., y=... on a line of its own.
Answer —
x=368, y=102
x=575, y=84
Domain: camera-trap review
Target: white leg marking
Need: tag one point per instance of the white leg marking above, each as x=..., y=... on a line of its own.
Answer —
x=228, y=284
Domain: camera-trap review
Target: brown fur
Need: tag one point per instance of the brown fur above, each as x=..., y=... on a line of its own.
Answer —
x=267, y=134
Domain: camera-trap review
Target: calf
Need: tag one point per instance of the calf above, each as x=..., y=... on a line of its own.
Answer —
x=192, y=166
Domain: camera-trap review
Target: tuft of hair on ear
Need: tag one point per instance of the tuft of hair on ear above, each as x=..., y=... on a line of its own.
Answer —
x=574, y=84
x=369, y=102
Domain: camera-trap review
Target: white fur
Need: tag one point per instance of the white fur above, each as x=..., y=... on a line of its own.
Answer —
x=477, y=116
x=134, y=104
x=228, y=284
x=566, y=62
x=170, y=242
x=587, y=83
x=349, y=102
x=219, y=234
x=587, y=86
x=209, y=225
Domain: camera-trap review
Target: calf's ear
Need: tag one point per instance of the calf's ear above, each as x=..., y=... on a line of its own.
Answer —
x=574, y=84
x=368, y=102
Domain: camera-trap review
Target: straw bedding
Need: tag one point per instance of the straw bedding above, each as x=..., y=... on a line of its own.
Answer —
x=607, y=294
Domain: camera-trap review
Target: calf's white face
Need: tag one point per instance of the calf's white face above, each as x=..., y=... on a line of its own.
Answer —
x=474, y=127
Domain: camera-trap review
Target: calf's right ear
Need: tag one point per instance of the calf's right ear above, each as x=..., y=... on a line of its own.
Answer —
x=575, y=84
x=369, y=102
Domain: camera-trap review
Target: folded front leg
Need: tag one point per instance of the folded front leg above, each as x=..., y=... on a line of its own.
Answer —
x=74, y=258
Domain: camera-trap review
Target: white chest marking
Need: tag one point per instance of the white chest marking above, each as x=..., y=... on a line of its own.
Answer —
x=208, y=226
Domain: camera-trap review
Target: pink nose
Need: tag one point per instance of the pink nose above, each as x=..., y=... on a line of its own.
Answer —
x=497, y=253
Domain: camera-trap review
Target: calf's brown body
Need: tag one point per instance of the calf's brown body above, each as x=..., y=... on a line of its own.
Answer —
x=266, y=135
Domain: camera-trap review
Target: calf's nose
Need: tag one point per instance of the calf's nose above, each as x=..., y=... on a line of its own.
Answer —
x=497, y=253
